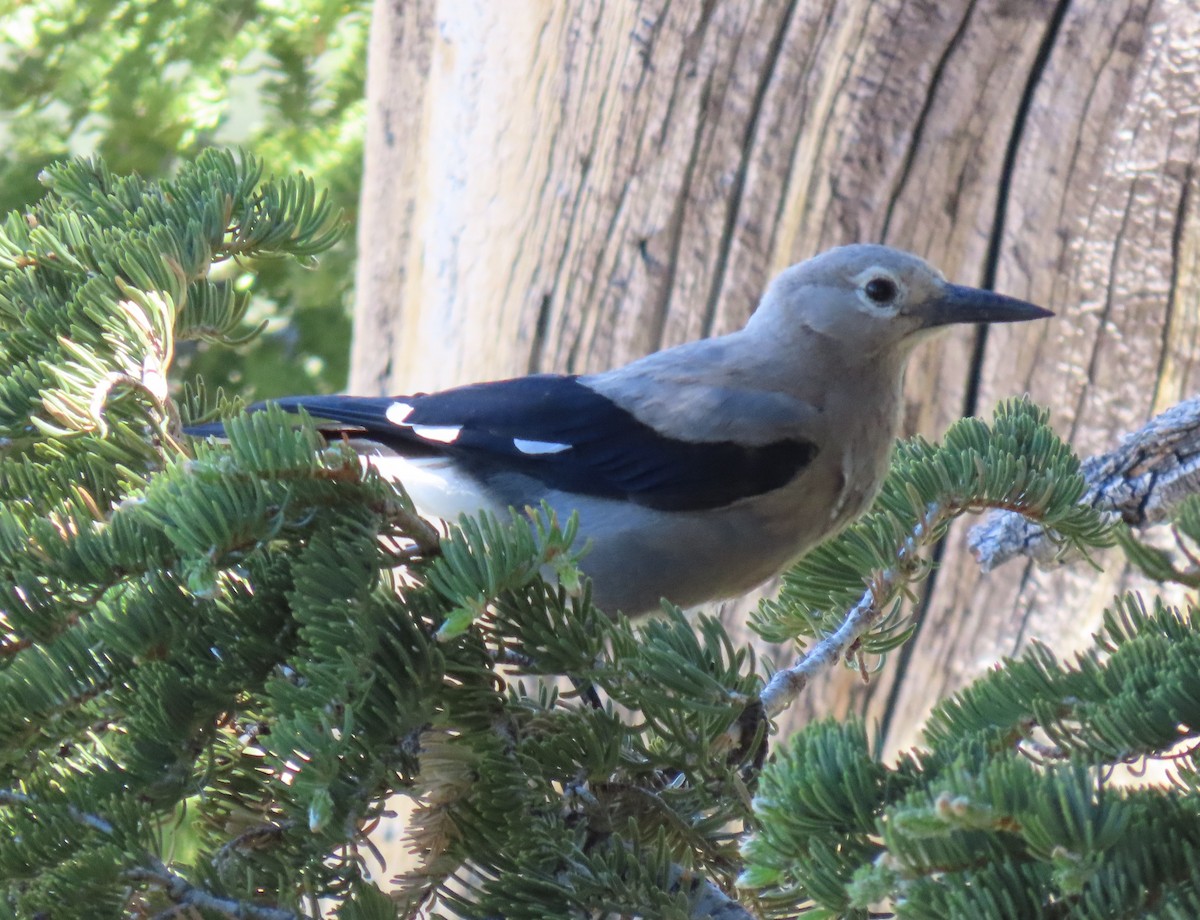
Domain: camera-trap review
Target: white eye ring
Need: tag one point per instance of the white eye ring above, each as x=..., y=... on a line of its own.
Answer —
x=880, y=290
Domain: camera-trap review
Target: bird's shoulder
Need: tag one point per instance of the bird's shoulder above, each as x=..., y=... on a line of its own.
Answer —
x=709, y=395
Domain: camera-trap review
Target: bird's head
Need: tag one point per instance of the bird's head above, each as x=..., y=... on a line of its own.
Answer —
x=878, y=299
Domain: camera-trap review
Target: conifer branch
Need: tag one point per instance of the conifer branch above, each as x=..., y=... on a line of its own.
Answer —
x=96, y=823
x=787, y=684
x=1141, y=482
x=155, y=872
x=1015, y=463
x=706, y=900
x=269, y=670
x=185, y=894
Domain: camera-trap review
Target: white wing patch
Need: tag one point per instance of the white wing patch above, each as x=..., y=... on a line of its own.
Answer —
x=397, y=412
x=539, y=447
x=443, y=434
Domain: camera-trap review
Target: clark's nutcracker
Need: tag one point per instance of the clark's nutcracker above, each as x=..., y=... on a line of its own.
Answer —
x=700, y=471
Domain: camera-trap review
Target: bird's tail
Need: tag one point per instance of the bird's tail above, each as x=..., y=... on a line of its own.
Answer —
x=332, y=413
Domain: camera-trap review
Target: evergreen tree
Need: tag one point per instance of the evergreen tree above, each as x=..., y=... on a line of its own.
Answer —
x=148, y=84
x=220, y=660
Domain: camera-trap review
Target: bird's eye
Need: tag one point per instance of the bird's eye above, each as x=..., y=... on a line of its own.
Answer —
x=880, y=290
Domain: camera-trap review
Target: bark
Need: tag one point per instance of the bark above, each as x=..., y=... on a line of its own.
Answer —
x=1143, y=482
x=567, y=186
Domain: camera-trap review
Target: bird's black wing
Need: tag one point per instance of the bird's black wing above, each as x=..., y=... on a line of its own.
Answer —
x=566, y=435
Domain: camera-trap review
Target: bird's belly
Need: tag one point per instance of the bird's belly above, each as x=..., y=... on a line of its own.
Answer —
x=435, y=485
x=638, y=556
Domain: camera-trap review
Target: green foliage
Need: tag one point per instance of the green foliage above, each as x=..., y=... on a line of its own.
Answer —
x=117, y=669
x=565, y=803
x=221, y=660
x=1009, y=811
x=1017, y=463
x=1160, y=564
x=148, y=84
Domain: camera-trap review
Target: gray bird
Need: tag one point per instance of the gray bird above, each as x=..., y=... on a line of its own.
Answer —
x=700, y=471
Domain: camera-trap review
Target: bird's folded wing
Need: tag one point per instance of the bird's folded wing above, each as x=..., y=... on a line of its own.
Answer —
x=558, y=431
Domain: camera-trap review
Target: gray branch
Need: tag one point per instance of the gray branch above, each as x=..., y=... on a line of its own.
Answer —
x=706, y=900
x=184, y=894
x=156, y=873
x=1141, y=482
x=788, y=683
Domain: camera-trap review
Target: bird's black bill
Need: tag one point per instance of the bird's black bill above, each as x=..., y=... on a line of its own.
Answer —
x=959, y=304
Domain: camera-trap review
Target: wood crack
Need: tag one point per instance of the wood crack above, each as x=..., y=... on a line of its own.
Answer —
x=922, y=120
x=1004, y=183
x=737, y=192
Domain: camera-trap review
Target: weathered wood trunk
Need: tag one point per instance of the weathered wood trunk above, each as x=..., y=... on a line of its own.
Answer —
x=569, y=185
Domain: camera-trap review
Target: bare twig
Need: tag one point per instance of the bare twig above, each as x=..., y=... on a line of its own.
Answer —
x=1141, y=482
x=185, y=894
x=705, y=900
x=787, y=684
x=96, y=823
x=155, y=872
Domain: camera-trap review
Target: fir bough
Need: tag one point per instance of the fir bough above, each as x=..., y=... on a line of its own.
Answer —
x=1008, y=809
x=148, y=85
x=220, y=660
x=1017, y=462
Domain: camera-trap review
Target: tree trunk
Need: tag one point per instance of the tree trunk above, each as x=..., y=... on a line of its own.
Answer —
x=565, y=186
